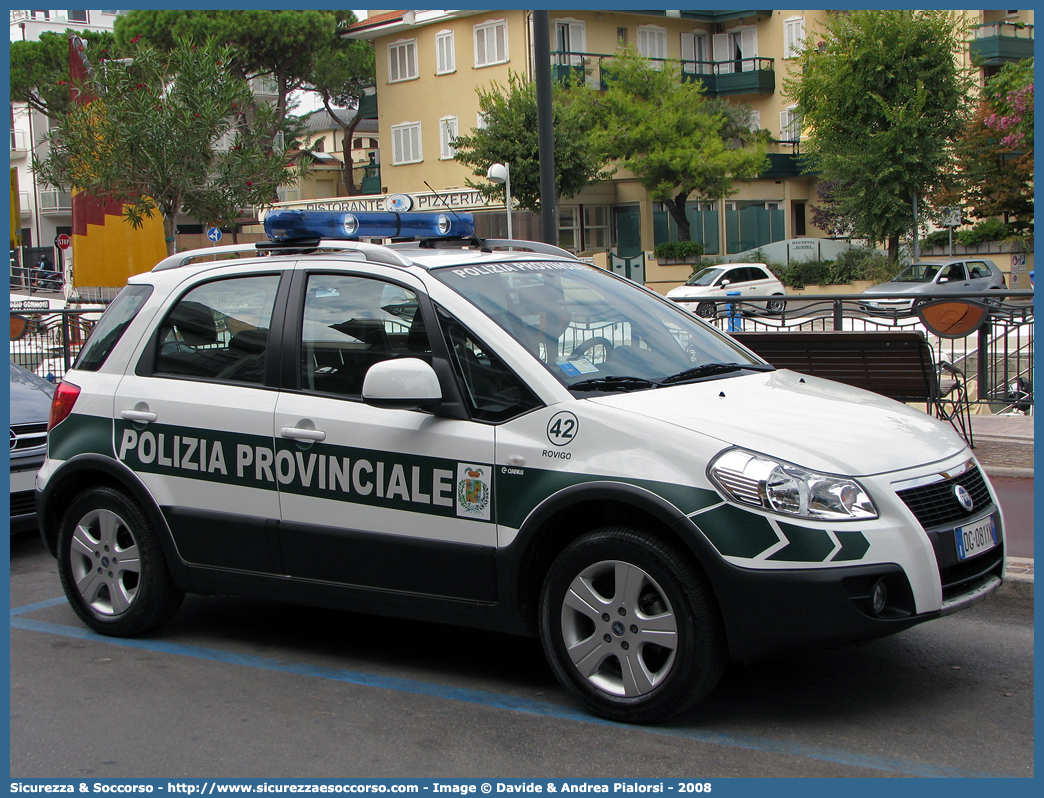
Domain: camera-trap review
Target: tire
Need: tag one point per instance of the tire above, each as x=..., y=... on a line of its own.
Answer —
x=112, y=566
x=776, y=306
x=638, y=653
x=706, y=310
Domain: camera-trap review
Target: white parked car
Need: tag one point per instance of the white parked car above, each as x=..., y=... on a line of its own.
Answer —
x=494, y=434
x=749, y=280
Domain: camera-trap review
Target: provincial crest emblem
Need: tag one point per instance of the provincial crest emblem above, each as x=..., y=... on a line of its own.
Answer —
x=473, y=491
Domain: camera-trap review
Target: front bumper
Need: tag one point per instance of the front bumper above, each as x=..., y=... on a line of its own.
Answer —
x=911, y=550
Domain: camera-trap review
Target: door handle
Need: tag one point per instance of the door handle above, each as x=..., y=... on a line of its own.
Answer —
x=139, y=416
x=301, y=434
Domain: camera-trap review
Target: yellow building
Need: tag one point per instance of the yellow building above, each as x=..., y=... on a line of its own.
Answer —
x=429, y=63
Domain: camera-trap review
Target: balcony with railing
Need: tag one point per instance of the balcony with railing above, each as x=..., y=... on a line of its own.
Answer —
x=19, y=143
x=720, y=78
x=998, y=43
x=54, y=201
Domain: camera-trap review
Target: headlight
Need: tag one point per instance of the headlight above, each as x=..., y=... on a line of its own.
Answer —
x=779, y=487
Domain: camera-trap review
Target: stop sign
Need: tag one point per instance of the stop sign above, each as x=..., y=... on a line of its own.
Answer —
x=62, y=241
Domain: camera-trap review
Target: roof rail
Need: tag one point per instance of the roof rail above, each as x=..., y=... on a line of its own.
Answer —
x=532, y=246
x=372, y=252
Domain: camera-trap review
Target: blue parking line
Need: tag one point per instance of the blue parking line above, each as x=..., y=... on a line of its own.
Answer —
x=493, y=700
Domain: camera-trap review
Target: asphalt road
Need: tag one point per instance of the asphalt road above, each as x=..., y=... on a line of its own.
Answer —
x=235, y=688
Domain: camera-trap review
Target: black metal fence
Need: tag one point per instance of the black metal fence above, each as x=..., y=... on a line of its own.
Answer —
x=997, y=357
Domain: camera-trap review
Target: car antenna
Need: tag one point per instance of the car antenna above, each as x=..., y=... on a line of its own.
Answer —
x=475, y=240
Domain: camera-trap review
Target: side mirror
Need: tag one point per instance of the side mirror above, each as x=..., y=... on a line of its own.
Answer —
x=406, y=383
x=943, y=280
x=726, y=283
x=19, y=327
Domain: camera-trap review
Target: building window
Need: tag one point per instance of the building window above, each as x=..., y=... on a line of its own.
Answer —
x=406, y=143
x=790, y=125
x=569, y=227
x=491, y=43
x=481, y=122
x=76, y=16
x=621, y=37
x=735, y=51
x=45, y=15
x=596, y=227
x=793, y=37
x=695, y=53
x=402, y=60
x=570, y=42
x=445, y=56
x=652, y=44
x=447, y=137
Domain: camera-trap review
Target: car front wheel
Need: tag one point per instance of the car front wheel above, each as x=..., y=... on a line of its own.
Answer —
x=630, y=627
x=706, y=310
x=112, y=566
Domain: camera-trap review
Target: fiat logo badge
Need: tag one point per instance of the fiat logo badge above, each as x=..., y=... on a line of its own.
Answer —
x=964, y=497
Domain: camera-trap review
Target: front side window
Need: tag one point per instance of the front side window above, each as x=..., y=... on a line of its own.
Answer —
x=705, y=276
x=349, y=324
x=402, y=60
x=491, y=390
x=491, y=43
x=219, y=331
x=594, y=331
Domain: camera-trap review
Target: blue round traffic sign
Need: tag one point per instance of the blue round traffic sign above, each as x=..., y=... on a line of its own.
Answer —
x=214, y=234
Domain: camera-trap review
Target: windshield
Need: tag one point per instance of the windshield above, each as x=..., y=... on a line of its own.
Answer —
x=704, y=276
x=917, y=273
x=595, y=331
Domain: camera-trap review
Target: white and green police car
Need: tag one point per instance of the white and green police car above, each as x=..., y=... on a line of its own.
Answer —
x=494, y=434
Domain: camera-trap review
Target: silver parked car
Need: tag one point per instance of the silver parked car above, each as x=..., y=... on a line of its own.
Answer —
x=30, y=409
x=926, y=281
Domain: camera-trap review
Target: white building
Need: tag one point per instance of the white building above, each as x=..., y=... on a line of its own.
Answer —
x=45, y=212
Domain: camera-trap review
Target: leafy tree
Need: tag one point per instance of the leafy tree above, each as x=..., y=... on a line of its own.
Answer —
x=340, y=74
x=280, y=45
x=676, y=141
x=40, y=69
x=995, y=153
x=150, y=139
x=510, y=136
x=881, y=95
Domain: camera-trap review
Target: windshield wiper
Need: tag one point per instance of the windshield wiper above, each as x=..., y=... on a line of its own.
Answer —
x=614, y=384
x=710, y=369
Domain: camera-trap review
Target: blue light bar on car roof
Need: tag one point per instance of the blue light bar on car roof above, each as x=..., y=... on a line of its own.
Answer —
x=287, y=225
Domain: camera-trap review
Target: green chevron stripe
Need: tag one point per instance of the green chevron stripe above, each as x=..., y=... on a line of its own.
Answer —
x=736, y=532
x=854, y=546
x=804, y=545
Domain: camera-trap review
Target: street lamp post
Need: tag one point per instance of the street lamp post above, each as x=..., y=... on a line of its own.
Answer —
x=501, y=173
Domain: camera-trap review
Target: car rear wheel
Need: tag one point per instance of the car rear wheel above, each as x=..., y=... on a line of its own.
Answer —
x=112, y=566
x=630, y=627
x=776, y=305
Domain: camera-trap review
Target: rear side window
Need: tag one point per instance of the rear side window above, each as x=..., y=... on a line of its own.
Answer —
x=111, y=326
x=219, y=331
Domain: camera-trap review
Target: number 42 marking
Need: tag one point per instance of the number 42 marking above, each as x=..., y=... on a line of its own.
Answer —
x=562, y=428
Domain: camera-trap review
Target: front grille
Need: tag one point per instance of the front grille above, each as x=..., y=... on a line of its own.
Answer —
x=28, y=436
x=936, y=504
x=23, y=502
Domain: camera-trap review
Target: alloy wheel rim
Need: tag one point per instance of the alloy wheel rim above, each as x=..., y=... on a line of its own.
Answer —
x=105, y=563
x=619, y=629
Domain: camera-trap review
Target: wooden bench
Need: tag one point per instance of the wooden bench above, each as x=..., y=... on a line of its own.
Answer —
x=899, y=365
